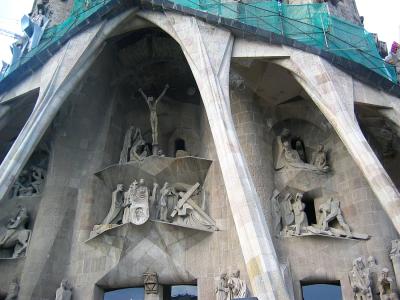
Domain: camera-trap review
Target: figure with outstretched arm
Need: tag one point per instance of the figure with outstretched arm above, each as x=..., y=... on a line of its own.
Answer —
x=152, y=104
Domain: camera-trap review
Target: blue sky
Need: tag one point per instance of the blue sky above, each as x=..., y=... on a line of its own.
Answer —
x=380, y=17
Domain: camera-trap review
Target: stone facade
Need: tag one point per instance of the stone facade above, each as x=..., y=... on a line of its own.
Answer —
x=228, y=101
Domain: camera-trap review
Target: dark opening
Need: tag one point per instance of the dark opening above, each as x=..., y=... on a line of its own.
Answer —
x=180, y=145
x=298, y=145
x=310, y=211
x=125, y=294
x=180, y=292
x=321, y=290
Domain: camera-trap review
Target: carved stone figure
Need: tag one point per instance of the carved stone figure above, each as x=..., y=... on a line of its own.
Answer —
x=152, y=104
x=154, y=199
x=279, y=152
x=385, y=286
x=16, y=235
x=13, y=290
x=137, y=204
x=331, y=211
x=163, y=204
x=38, y=177
x=300, y=150
x=188, y=213
x=64, y=292
x=276, y=212
x=287, y=211
x=134, y=148
x=395, y=258
x=360, y=280
x=222, y=291
x=139, y=150
x=150, y=283
x=300, y=217
x=124, y=157
x=129, y=195
x=114, y=215
x=319, y=159
x=292, y=159
x=373, y=274
x=29, y=182
x=237, y=287
x=286, y=156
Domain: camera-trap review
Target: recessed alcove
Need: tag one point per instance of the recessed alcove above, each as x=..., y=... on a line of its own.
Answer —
x=382, y=135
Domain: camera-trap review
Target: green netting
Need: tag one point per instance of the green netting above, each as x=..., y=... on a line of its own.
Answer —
x=309, y=24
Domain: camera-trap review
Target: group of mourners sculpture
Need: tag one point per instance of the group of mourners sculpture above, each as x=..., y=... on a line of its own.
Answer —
x=231, y=287
x=290, y=218
x=367, y=282
x=29, y=182
x=291, y=153
x=175, y=204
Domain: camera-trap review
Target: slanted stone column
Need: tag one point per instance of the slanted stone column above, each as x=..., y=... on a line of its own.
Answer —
x=58, y=79
x=333, y=91
x=208, y=52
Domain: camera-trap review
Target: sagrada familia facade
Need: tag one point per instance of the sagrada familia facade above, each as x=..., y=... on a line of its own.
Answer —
x=154, y=145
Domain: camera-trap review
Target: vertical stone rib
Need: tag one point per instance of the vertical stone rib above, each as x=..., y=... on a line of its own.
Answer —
x=210, y=66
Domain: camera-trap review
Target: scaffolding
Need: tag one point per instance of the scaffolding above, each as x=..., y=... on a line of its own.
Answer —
x=309, y=24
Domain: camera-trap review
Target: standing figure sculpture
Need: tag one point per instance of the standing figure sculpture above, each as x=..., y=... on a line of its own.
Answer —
x=64, y=292
x=385, y=286
x=152, y=104
x=395, y=258
x=300, y=217
x=238, y=288
x=331, y=211
x=222, y=291
x=137, y=204
x=360, y=280
x=276, y=212
x=13, y=290
x=163, y=204
x=16, y=235
x=114, y=215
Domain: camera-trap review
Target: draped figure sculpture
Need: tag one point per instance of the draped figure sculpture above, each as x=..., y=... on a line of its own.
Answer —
x=114, y=215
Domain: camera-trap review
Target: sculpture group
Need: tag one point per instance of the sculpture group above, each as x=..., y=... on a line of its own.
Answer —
x=290, y=218
x=14, y=234
x=175, y=204
x=231, y=287
x=30, y=182
x=367, y=282
x=290, y=153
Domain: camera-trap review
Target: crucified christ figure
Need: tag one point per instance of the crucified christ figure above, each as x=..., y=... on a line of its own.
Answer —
x=152, y=104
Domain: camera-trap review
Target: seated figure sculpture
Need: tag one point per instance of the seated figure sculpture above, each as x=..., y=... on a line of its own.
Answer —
x=16, y=235
x=319, y=158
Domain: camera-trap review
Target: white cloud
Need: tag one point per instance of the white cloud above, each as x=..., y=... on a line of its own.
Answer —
x=381, y=17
